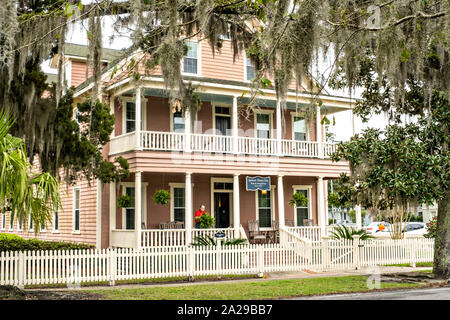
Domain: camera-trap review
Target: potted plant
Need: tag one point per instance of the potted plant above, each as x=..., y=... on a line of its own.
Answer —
x=298, y=199
x=161, y=197
x=206, y=221
x=124, y=201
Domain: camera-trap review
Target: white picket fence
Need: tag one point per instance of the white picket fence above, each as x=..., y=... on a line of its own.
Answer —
x=81, y=266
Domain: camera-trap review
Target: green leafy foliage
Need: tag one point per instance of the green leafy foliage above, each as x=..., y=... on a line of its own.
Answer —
x=124, y=201
x=161, y=197
x=299, y=200
x=343, y=232
x=206, y=221
x=12, y=242
x=431, y=228
x=207, y=240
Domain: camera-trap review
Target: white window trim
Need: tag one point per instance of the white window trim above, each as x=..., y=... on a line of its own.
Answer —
x=144, y=186
x=173, y=185
x=29, y=222
x=272, y=206
x=199, y=61
x=73, y=211
x=124, y=100
x=11, y=223
x=263, y=111
x=299, y=114
x=245, y=68
x=228, y=180
x=308, y=188
x=67, y=68
x=214, y=114
x=54, y=224
x=3, y=221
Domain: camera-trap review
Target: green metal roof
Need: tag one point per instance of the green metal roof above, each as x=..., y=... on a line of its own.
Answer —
x=78, y=50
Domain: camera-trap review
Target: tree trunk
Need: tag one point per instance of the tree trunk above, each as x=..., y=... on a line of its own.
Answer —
x=441, y=266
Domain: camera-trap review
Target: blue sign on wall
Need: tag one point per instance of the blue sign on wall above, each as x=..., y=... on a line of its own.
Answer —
x=258, y=183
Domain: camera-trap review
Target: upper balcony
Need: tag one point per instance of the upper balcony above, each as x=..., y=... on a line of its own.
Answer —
x=222, y=126
x=208, y=143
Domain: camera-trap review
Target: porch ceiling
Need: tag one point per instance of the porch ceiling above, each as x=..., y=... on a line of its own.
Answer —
x=228, y=99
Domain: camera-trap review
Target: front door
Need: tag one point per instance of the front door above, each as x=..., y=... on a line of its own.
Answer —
x=222, y=209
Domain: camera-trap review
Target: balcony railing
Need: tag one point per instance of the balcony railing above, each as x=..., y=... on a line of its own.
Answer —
x=175, y=141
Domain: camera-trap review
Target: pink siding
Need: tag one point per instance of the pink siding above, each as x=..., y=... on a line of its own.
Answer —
x=157, y=213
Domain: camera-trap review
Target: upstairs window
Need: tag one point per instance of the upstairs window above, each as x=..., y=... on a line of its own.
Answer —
x=190, y=60
x=299, y=128
x=76, y=209
x=250, y=73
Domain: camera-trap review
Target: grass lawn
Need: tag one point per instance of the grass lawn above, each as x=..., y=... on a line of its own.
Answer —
x=271, y=289
x=418, y=264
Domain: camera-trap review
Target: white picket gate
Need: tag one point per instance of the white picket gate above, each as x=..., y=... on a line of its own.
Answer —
x=110, y=265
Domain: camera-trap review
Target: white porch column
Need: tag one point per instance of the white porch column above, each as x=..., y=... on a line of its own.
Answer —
x=236, y=206
x=280, y=192
x=138, y=207
x=112, y=209
x=320, y=205
x=138, y=118
x=235, y=125
x=279, y=129
x=319, y=134
x=98, y=243
x=187, y=130
x=188, y=207
x=358, y=217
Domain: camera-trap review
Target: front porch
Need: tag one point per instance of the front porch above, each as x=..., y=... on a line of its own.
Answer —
x=225, y=198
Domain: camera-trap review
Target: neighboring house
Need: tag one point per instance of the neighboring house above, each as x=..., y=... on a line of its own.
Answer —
x=427, y=212
x=213, y=151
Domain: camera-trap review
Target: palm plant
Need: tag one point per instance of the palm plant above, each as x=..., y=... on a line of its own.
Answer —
x=25, y=194
x=343, y=232
x=207, y=240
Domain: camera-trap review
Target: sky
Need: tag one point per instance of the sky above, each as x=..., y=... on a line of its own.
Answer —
x=343, y=120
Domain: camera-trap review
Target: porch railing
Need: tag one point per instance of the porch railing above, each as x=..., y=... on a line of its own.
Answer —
x=176, y=141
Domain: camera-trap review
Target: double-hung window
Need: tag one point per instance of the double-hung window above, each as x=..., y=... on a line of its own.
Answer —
x=302, y=212
x=299, y=130
x=130, y=115
x=3, y=221
x=264, y=209
x=130, y=212
x=11, y=221
x=179, y=204
x=250, y=73
x=56, y=222
x=263, y=125
x=76, y=209
x=190, y=60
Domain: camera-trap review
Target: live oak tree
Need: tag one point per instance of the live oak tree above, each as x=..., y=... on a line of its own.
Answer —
x=406, y=164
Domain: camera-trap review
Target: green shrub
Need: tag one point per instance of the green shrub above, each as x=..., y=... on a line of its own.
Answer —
x=12, y=242
x=431, y=228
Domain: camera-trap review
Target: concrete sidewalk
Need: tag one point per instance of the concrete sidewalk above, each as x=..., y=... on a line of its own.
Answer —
x=267, y=277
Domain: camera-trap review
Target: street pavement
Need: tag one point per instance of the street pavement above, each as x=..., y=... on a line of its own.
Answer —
x=412, y=294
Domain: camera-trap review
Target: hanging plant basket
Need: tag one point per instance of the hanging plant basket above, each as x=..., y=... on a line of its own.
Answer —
x=161, y=197
x=124, y=201
x=299, y=200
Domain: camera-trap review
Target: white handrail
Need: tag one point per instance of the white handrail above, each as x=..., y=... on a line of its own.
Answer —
x=210, y=143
